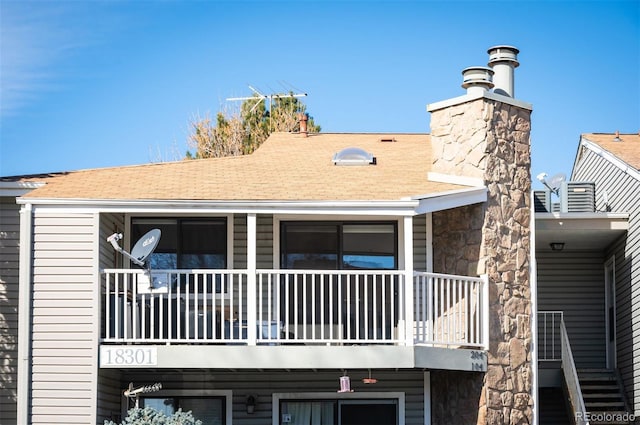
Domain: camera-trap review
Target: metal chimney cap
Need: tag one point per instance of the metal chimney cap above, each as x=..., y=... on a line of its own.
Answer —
x=503, y=53
x=477, y=75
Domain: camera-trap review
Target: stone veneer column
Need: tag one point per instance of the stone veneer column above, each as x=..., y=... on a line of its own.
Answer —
x=488, y=139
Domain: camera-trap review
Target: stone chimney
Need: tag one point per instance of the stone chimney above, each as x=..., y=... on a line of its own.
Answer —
x=482, y=138
x=303, y=118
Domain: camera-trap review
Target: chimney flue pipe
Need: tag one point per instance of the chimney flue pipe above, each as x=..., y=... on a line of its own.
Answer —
x=477, y=79
x=503, y=60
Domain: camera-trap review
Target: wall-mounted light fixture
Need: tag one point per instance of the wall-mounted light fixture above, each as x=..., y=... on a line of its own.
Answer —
x=557, y=246
x=251, y=404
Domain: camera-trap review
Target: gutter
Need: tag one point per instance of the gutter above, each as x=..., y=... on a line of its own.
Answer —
x=450, y=199
x=404, y=207
x=415, y=205
x=15, y=189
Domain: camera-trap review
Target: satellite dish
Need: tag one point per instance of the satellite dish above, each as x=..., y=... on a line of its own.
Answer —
x=141, y=250
x=146, y=245
x=554, y=183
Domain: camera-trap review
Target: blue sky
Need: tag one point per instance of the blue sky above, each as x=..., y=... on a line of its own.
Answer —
x=90, y=84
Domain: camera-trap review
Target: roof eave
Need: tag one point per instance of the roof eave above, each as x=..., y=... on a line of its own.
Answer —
x=328, y=207
x=17, y=188
x=608, y=156
x=450, y=199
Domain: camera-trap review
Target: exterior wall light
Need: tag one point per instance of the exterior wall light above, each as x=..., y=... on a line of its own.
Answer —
x=557, y=246
x=251, y=404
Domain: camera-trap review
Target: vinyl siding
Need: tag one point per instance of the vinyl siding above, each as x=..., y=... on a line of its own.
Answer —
x=64, y=319
x=419, y=242
x=623, y=193
x=264, y=241
x=264, y=383
x=9, y=255
x=573, y=282
x=109, y=390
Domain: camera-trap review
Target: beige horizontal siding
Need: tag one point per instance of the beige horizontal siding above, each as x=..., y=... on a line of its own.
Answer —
x=64, y=318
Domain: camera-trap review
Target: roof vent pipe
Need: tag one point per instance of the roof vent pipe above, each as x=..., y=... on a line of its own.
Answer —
x=303, y=118
x=503, y=60
x=477, y=79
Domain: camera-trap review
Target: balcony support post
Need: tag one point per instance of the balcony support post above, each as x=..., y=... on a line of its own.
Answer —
x=408, y=279
x=485, y=311
x=252, y=294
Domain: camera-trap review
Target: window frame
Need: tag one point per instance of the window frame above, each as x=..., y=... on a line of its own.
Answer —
x=277, y=398
x=227, y=220
x=226, y=394
x=341, y=252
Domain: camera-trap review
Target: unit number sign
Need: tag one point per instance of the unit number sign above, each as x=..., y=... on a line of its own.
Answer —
x=128, y=356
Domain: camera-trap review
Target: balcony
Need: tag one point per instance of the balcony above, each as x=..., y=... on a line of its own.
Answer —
x=293, y=307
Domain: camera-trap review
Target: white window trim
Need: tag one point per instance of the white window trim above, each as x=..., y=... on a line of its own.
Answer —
x=276, y=397
x=230, y=227
x=227, y=394
x=278, y=218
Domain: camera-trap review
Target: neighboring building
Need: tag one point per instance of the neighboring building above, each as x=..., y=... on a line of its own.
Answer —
x=401, y=258
x=591, y=279
x=10, y=189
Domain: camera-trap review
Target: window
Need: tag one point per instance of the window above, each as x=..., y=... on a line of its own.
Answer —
x=339, y=245
x=210, y=410
x=339, y=412
x=185, y=243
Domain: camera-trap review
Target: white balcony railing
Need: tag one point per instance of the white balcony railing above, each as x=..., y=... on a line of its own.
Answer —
x=292, y=307
x=450, y=310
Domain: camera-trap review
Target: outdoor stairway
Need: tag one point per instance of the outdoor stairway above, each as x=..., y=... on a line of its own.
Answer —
x=603, y=396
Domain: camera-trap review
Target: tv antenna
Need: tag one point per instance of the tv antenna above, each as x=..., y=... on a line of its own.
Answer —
x=259, y=97
x=134, y=393
x=142, y=250
x=554, y=183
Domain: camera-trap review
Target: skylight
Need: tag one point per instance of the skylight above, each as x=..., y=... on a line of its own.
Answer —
x=354, y=156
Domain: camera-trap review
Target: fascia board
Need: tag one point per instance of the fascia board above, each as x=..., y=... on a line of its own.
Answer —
x=385, y=208
x=15, y=189
x=452, y=199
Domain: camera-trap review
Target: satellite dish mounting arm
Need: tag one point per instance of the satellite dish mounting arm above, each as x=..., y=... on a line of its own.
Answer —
x=113, y=239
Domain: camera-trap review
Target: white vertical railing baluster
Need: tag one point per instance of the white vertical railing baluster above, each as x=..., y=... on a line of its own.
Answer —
x=323, y=306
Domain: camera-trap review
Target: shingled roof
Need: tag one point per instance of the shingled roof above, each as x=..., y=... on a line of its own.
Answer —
x=287, y=167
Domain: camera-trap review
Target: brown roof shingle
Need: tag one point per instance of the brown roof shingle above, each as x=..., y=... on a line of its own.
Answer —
x=627, y=149
x=287, y=167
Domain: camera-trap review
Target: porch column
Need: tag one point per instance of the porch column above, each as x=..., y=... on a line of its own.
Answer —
x=252, y=293
x=408, y=287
